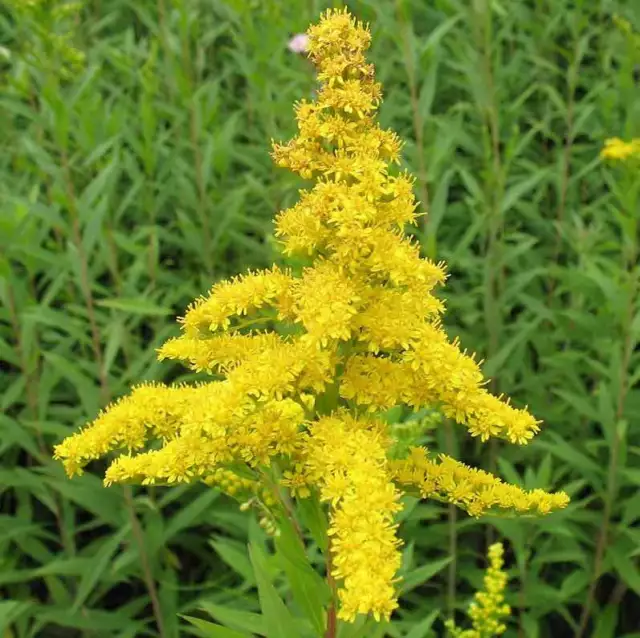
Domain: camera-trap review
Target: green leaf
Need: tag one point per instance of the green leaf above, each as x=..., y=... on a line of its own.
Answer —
x=279, y=622
x=626, y=568
x=423, y=628
x=86, y=389
x=10, y=610
x=310, y=591
x=607, y=622
x=314, y=519
x=422, y=574
x=135, y=306
x=520, y=189
x=239, y=619
x=572, y=455
x=211, y=630
x=89, y=619
x=190, y=515
x=234, y=554
x=99, y=564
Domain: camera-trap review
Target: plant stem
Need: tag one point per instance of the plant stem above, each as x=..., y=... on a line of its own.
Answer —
x=482, y=29
x=104, y=382
x=283, y=498
x=566, y=160
x=194, y=128
x=85, y=286
x=144, y=563
x=31, y=379
x=612, y=473
x=452, y=518
x=522, y=592
x=418, y=123
x=332, y=623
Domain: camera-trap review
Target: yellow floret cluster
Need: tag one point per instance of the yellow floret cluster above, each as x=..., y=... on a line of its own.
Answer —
x=488, y=611
x=51, y=26
x=617, y=149
x=303, y=359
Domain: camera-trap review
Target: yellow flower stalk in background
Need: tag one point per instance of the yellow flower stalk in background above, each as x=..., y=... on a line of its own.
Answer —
x=617, y=149
x=303, y=360
x=49, y=28
x=488, y=611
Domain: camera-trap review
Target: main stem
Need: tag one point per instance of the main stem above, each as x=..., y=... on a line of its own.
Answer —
x=495, y=185
x=452, y=518
x=418, y=123
x=332, y=621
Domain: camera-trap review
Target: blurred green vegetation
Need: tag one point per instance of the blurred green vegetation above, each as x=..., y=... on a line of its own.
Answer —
x=135, y=171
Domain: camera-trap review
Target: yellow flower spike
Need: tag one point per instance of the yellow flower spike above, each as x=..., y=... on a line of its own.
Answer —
x=236, y=298
x=476, y=491
x=219, y=353
x=346, y=457
x=359, y=331
x=617, y=149
x=51, y=30
x=488, y=611
x=125, y=424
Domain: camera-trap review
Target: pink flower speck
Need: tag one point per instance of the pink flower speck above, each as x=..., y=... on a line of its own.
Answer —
x=299, y=43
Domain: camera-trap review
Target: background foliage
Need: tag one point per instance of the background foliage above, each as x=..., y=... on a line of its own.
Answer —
x=135, y=171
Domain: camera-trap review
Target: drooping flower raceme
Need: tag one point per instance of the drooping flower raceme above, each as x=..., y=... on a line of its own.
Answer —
x=302, y=360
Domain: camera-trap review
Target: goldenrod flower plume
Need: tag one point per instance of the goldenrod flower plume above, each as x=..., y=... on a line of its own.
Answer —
x=488, y=611
x=359, y=330
x=617, y=149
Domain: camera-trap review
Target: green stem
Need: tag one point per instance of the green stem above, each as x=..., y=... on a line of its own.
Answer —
x=452, y=518
x=495, y=188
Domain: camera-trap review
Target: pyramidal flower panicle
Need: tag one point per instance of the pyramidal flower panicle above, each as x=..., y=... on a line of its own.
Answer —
x=363, y=334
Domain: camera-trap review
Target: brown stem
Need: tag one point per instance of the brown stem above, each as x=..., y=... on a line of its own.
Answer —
x=104, y=382
x=452, y=516
x=202, y=211
x=618, y=593
x=566, y=164
x=332, y=621
x=495, y=186
x=418, y=123
x=144, y=563
x=85, y=285
x=162, y=21
x=31, y=379
x=152, y=258
x=522, y=593
x=612, y=474
x=202, y=195
x=29, y=374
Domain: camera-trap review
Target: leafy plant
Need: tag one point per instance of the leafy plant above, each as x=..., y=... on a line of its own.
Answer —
x=504, y=108
x=306, y=358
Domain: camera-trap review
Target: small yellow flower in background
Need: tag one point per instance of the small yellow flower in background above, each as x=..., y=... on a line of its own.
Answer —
x=488, y=611
x=626, y=28
x=49, y=28
x=617, y=149
x=363, y=334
